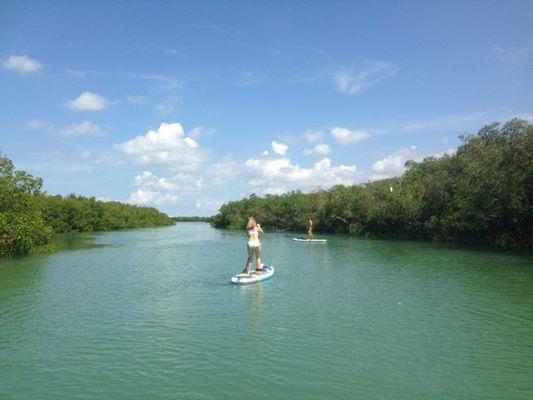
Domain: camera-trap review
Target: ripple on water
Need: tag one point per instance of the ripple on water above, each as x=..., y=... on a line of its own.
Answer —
x=150, y=314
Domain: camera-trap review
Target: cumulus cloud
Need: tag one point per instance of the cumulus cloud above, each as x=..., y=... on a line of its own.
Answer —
x=353, y=80
x=393, y=164
x=224, y=170
x=168, y=146
x=88, y=101
x=274, y=175
x=319, y=149
x=149, y=180
x=147, y=196
x=153, y=190
x=345, y=136
x=280, y=148
x=314, y=136
x=21, y=64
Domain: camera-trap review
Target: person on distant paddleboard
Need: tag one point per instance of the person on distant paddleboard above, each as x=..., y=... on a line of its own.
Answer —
x=309, y=228
x=254, y=245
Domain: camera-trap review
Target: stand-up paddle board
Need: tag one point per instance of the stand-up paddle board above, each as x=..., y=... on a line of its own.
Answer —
x=255, y=276
x=301, y=239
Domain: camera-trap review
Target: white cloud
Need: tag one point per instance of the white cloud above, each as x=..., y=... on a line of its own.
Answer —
x=353, y=80
x=21, y=64
x=272, y=174
x=448, y=152
x=319, y=149
x=345, y=136
x=84, y=128
x=168, y=146
x=224, y=170
x=314, y=136
x=88, y=101
x=153, y=190
x=393, y=164
x=149, y=180
x=279, y=148
x=147, y=196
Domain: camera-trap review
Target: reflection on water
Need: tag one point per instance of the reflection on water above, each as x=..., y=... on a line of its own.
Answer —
x=255, y=302
x=75, y=241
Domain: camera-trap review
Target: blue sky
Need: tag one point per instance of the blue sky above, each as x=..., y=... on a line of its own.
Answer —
x=186, y=105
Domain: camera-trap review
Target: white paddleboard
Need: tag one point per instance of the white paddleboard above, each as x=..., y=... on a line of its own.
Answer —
x=255, y=276
x=300, y=239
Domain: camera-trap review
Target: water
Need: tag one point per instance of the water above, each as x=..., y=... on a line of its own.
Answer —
x=150, y=314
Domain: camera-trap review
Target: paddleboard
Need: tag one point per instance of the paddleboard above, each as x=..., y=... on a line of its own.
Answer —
x=255, y=276
x=300, y=239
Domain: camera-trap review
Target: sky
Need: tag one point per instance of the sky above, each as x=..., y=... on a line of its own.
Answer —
x=187, y=105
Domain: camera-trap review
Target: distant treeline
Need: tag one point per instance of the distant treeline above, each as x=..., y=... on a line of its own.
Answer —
x=481, y=194
x=191, y=219
x=28, y=216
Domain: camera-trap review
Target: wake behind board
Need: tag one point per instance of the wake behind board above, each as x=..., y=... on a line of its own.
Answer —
x=255, y=276
x=301, y=239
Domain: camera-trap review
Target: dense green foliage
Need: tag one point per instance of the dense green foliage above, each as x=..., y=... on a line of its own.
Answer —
x=191, y=219
x=28, y=217
x=481, y=194
x=22, y=227
x=81, y=214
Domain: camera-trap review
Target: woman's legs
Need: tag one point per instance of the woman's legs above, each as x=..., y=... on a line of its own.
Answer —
x=258, y=255
x=249, y=261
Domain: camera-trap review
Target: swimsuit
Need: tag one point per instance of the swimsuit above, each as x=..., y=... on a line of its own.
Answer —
x=253, y=239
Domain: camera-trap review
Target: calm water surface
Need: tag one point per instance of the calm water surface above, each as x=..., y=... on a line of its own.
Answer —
x=150, y=314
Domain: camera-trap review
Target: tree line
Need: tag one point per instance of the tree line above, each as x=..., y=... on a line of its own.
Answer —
x=190, y=219
x=28, y=216
x=481, y=194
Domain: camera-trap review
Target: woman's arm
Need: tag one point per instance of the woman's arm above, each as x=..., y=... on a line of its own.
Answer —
x=259, y=229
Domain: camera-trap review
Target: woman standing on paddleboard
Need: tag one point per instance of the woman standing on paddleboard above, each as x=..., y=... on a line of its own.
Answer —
x=309, y=228
x=254, y=245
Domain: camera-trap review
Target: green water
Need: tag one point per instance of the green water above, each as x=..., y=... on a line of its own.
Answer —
x=150, y=314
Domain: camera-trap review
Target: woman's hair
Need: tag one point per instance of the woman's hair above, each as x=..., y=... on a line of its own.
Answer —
x=251, y=223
